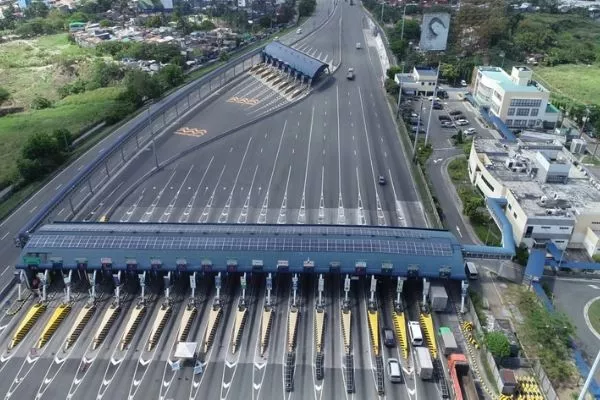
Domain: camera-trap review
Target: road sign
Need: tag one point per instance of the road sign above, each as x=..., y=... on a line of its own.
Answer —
x=193, y=281
x=373, y=284
x=243, y=282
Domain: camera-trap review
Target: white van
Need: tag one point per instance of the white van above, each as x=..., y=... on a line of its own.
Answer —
x=358, y=46
x=414, y=331
x=471, y=270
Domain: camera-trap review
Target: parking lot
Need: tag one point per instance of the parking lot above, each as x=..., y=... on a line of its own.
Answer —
x=439, y=136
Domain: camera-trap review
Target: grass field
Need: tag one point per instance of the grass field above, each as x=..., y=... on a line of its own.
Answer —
x=594, y=315
x=74, y=112
x=578, y=82
x=37, y=67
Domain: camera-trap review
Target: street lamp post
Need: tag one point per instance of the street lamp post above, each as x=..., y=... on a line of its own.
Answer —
x=417, y=132
x=437, y=76
x=400, y=92
x=404, y=17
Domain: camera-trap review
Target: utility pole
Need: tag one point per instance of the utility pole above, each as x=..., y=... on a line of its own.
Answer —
x=400, y=92
x=589, y=378
x=437, y=76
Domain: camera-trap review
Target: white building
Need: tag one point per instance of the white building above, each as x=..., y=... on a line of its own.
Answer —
x=518, y=100
x=548, y=198
x=421, y=81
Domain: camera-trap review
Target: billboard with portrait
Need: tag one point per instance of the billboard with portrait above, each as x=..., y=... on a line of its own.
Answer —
x=434, y=31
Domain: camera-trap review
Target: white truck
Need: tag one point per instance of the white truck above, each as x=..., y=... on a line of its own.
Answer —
x=423, y=364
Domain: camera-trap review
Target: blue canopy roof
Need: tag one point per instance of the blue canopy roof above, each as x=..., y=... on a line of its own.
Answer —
x=306, y=65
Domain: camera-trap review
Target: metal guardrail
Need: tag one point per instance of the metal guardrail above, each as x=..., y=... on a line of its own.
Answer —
x=140, y=123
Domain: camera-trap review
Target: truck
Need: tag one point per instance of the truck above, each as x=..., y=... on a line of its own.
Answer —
x=438, y=297
x=423, y=364
x=462, y=380
x=447, y=341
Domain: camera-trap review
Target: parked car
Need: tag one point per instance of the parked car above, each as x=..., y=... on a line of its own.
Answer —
x=299, y=31
x=438, y=106
x=447, y=124
x=462, y=122
x=358, y=46
x=430, y=98
x=444, y=118
x=470, y=131
x=414, y=115
x=415, y=121
x=350, y=74
x=463, y=83
x=414, y=129
x=455, y=112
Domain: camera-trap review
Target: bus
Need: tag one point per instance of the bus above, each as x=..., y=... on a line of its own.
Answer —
x=414, y=331
x=471, y=270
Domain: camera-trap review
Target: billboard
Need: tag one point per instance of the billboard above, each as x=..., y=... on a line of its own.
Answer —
x=434, y=31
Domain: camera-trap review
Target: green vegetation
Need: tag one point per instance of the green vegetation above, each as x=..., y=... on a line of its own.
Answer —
x=306, y=7
x=77, y=112
x=473, y=203
x=591, y=160
x=546, y=335
x=578, y=82
x=497, y=344
x=477, y=301
x=594, y=315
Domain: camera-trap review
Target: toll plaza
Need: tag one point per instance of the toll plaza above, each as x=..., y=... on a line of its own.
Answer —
x=342, y=279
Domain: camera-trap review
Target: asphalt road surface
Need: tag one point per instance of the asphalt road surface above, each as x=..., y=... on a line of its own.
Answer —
x=316, y=162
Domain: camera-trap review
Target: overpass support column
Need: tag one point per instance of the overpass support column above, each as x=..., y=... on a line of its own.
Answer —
x=269, y=288
x=426, y=285
x=142, y=278
x=44, y=281
x=243, y=285
x=399, y=288
x=464, y=285
x=346, y=291
x=320, y=288
x=218, y=287
x=117, y=282
x=92, y=291
x=22, y=280
x=67, y=281
x=193, y=287
x=294, y=288
x=373, y=289
x=167, y=281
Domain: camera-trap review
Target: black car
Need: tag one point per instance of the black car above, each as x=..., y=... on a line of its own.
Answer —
x=382, y=180
x=388, y=338
x=444, y=118
x=455, y=112
x=438, y=106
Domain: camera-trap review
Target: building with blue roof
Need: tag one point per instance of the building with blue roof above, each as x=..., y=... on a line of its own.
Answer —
x=517, y=100
x=293, y=61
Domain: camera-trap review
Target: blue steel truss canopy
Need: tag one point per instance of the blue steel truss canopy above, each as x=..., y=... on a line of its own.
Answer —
x=298, y=61
x=246, y=248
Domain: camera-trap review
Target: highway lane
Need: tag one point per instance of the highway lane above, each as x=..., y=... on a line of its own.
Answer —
x=13, y=223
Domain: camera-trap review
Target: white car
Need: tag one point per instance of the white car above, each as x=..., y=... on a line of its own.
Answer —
x=470, y=131
x=462, y=122
x=299, y=31
x=431, y=98
x=414, y=115
x=358, y=46
x=463, y=83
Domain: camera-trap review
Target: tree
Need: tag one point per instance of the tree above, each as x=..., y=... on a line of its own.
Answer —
x=139, y=87
x=206, y=25
x=522, y=254
x=497, y=344
x=412, y=29
x=40, y=155
x=154, y=21
x=37, y=9
x=392, y=71
x=104, y=74
x=105, y=23
x=4, y=95
x=398, y=47
x=265, y=22
x=9, y=13
x=459, y=137
x=391, y=87
x=39, y=103
x=170, y=76
x=449, y=72
x=64, y=138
